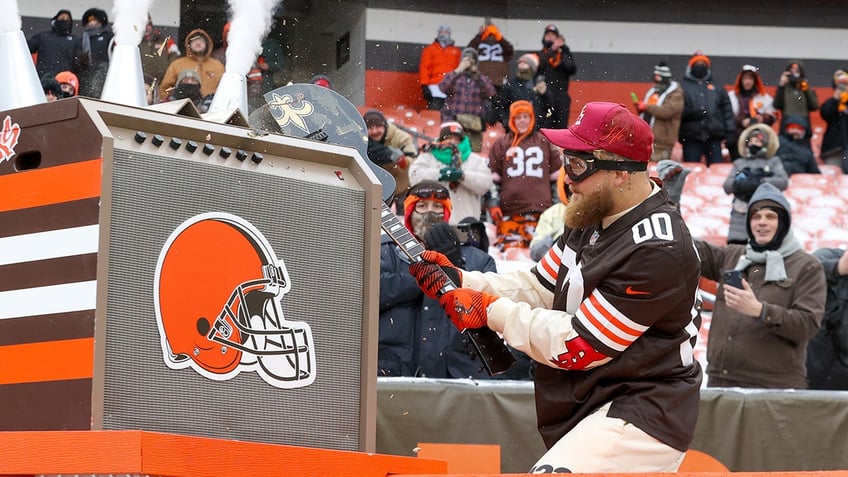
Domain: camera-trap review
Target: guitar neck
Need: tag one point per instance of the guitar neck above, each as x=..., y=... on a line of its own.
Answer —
x=400, y=235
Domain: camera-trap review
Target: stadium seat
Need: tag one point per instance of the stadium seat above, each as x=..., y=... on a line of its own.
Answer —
x=721, y=168
x=712, y=177
x=802, y=194
x=827, y=203
x=822, y=181
x=830, y=170
x=711, y=194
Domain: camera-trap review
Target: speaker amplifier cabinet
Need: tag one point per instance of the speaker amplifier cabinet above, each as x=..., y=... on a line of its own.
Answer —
x=164, y=273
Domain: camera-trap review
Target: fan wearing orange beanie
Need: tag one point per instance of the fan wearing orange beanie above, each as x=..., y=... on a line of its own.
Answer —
x=525, y=166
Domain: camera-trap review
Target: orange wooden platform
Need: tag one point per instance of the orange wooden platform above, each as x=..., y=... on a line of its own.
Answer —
x=29, y=453
x=34, y=453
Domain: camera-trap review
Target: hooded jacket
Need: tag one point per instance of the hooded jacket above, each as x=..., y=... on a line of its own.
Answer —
x=436, y=61
x=707, y=114
x=57, y=49
x=796, y=156
x=209, y=69
x=765, y=164
x=664, y=115
x=769, y=350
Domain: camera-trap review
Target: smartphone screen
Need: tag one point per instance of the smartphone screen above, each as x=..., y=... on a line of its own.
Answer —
x=733, y=278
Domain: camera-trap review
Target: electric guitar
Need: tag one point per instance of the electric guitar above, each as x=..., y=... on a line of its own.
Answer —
x=329, y=116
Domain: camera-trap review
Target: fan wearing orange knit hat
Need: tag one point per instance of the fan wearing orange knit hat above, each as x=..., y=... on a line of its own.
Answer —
x=68, y=82
x=699, y=65
x=524, y=166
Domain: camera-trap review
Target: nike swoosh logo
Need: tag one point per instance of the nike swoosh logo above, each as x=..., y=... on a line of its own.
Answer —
x=630, y=291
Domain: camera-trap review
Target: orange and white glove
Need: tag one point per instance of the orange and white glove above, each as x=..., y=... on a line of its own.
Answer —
x=433, y=271
x=467, y=308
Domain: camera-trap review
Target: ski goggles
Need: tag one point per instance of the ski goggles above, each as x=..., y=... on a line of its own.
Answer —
x=579, y=165
x=430, y=192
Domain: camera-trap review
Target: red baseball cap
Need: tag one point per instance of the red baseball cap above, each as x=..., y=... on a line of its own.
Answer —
x=607, y=126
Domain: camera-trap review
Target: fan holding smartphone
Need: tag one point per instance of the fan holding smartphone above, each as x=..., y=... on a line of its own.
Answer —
x=733, y=278
x=773, y=311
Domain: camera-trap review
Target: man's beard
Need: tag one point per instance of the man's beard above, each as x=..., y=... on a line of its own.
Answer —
x=589, y=209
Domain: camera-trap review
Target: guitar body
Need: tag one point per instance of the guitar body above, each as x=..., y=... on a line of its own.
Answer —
x=311, y=111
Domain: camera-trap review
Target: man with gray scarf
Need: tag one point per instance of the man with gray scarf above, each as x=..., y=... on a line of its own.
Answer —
x=759, y=332
x=96, y=46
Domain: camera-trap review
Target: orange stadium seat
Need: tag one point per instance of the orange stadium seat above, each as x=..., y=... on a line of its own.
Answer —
x=830, y=170
x=721, y=168
x=803, y=194
x=711, y=177
x=822, y=181
x=827, y=203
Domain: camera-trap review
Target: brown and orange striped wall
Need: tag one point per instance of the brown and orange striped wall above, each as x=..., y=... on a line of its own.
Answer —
x=49, y=208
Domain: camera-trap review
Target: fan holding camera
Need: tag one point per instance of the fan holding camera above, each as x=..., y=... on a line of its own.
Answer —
x=794, y=94
x=758, y=164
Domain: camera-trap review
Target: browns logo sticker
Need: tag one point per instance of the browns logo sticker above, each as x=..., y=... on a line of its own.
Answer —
x=218, y=294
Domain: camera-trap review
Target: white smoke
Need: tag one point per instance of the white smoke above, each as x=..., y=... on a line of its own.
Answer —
x=130, y=18
x=249, y=23
x=10, y=20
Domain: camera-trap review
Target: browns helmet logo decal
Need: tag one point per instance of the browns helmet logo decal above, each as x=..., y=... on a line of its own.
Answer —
x=218, y=293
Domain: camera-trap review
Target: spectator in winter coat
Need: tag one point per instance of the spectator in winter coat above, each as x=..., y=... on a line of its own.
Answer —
x=450, y=161
x=834, y=148
x=827, y=352
x=794, y=95
x=468, y=93
x=437, y=59
x=189, y=86
x=661, y=108
x=96, y=51
x=524, y=86
x=525, y=166
x=557, y=66
x=794, y=153
x=415, y=335
x=198, y=45
x=52, y=90
x=758, y=164
x=750, y=102
x=760, y=330
x=494, y=52
x=58, y=49
x=390, y=148
x=707, y=115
